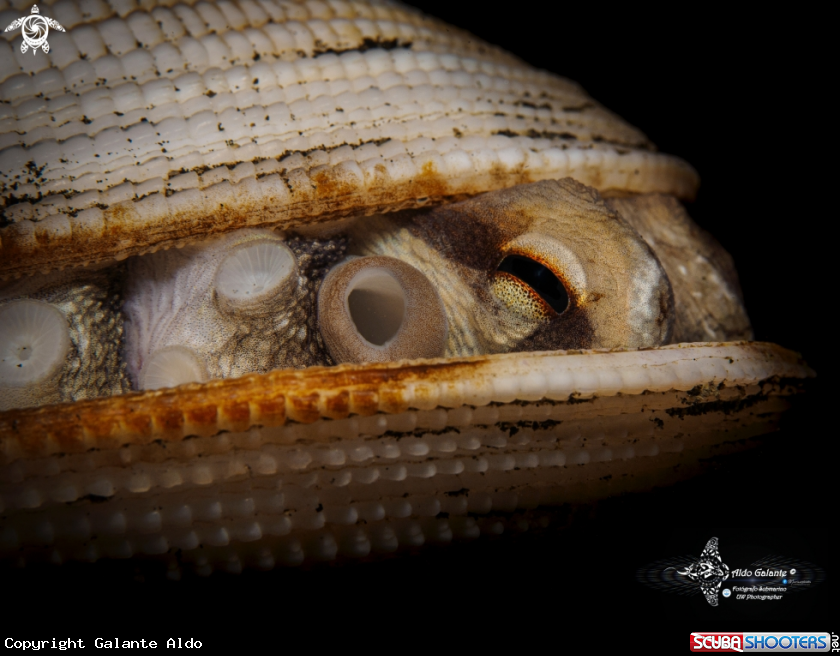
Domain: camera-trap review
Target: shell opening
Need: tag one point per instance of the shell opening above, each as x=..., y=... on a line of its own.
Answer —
x=172, y=366
x=34, y=342
x=376, y=304
x=253, y=273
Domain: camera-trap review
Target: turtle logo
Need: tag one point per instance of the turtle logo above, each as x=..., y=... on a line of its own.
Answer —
x=35, y=29
x=710, y=571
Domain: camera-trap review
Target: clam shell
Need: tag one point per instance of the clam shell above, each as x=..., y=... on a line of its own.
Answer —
x=354, y=460
x=147, y=134
x=252, y=407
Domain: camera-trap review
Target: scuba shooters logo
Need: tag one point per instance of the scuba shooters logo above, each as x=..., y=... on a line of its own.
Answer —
x=34, y=29
x=761, y=642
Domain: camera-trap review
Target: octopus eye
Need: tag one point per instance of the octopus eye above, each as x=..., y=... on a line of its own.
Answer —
x=538, y=278
x=378, y=309
x=34, y=342
x=253, y=274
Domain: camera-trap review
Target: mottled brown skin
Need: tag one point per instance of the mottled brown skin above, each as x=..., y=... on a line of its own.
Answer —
x=708, y=302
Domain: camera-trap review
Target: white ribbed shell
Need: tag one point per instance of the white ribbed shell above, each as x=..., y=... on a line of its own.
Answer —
x=476, y=438
x=141, y=123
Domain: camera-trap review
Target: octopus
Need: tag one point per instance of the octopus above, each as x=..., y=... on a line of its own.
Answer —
x=388, y=339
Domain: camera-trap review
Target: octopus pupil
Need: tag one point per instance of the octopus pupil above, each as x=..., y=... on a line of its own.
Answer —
x=539, y=278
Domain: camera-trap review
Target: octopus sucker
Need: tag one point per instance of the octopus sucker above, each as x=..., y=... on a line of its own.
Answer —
x=239, y=303
x=74, y=320
x=305, y=281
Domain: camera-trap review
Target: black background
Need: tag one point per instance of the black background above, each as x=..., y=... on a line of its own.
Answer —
x=742, y=99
